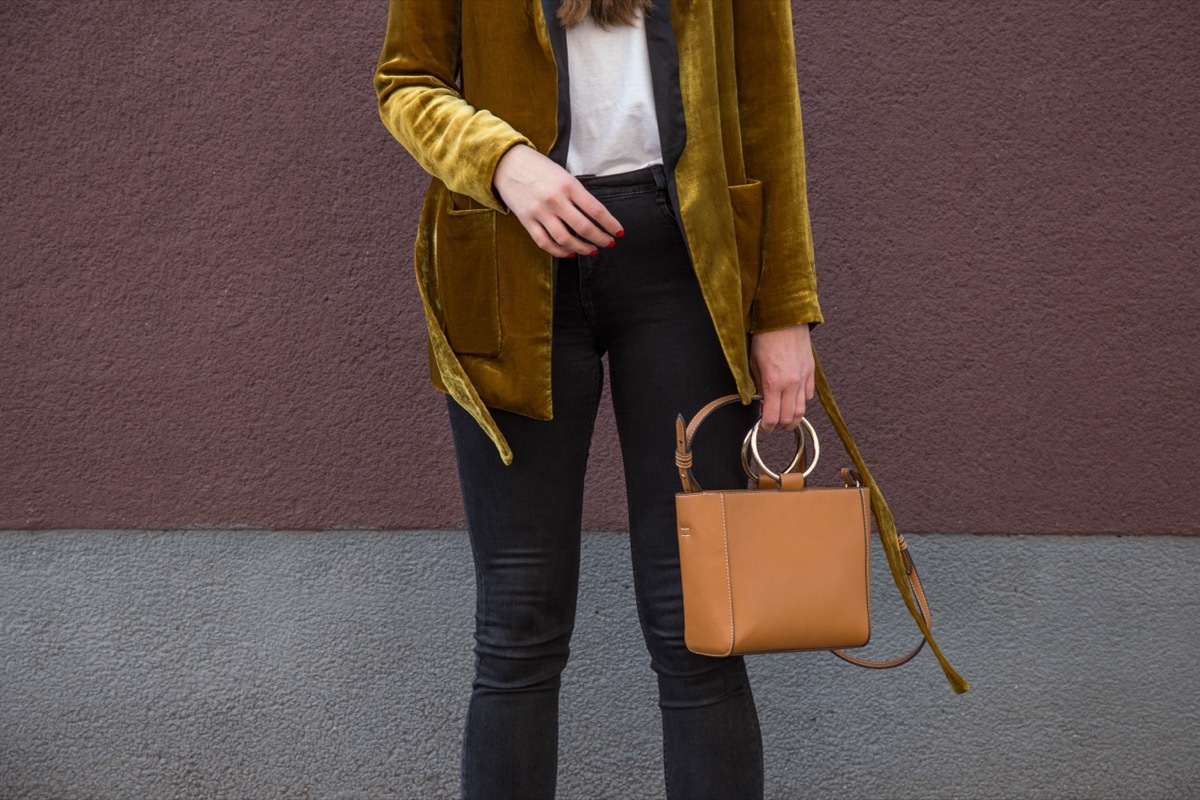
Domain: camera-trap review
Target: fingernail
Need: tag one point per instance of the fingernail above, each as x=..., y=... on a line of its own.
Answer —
x=594, y=253
x=620, y=233
x=570, y=255
x=613, y=243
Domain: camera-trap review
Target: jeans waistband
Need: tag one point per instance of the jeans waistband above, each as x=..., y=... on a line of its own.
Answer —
x=653, y=175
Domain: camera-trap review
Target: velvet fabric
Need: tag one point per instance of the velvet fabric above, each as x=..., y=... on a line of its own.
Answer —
x=459, y=82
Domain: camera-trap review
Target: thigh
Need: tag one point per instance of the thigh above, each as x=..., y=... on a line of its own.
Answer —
x=524, y=519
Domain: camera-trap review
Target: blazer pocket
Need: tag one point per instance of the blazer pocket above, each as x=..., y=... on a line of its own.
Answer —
x=747, y=202
x=468, y=280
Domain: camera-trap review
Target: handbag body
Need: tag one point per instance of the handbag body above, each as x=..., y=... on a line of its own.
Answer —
x=783, y=566
x=775, y=569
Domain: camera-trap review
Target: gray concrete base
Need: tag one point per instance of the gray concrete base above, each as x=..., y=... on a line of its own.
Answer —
x=248, y=664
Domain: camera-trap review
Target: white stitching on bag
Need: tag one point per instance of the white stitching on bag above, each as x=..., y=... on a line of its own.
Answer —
x=728, y=575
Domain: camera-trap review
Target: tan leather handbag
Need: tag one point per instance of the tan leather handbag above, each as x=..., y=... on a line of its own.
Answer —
x=785, y=566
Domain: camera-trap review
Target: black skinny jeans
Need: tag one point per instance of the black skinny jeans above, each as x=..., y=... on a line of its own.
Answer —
x=640, y=303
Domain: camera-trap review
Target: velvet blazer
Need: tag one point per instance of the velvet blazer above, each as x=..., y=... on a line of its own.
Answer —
x=459, y=82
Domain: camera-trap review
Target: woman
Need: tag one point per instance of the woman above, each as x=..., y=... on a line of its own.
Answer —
x=620, y=177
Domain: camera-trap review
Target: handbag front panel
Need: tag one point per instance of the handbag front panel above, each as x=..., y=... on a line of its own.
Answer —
x=799, y=568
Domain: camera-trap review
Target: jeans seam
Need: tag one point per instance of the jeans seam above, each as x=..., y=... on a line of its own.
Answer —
x=587, y=267
x=624, y=193
x=664, y=207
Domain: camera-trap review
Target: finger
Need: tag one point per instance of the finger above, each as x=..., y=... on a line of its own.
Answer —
x=566, y=238
x=542, y=238
x=586, y=229
x=572, y=209
x=787, y=408
x=600, y=226
x=770, y=412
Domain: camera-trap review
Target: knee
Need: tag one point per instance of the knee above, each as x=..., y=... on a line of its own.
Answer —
x=517, y=665
x=701, y=681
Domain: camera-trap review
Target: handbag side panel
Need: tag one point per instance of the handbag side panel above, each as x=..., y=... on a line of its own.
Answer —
x=704, y=569
x=799, y=568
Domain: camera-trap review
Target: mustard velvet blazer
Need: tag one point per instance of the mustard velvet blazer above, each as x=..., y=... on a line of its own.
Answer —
x=459, y=82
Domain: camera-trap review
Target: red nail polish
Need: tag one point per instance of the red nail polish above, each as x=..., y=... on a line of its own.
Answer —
x=594, y=253
x=570, y=255
x=613, y=243
x=620, y=233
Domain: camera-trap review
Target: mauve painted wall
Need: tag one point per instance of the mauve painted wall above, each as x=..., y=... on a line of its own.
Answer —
x=209, y=317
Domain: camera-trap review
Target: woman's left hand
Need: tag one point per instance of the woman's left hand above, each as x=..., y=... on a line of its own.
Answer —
x=782, y=363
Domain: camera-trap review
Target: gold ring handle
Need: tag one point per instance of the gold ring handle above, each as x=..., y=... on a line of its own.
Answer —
x=746, y=453
x=751, y=443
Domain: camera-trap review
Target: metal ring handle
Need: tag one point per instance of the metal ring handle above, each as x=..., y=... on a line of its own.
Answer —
x=746, y=453
x=752, y=440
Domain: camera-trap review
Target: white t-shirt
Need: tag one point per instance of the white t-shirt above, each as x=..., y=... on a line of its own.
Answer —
x=613, y=125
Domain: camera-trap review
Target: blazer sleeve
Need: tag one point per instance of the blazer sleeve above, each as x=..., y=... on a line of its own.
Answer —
x=773, y=150
x=421, y=104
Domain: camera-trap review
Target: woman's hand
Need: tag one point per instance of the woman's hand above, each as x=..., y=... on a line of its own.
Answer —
x=563, y=218
x=782, y=363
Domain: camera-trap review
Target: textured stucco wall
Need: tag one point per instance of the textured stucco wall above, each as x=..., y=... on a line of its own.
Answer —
x=208, y=321
x=209, y=317
x=249, y=664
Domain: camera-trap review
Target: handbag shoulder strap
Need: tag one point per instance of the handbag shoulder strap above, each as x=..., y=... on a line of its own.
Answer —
x=914, y=582
x=897, y=556
x=904, y=572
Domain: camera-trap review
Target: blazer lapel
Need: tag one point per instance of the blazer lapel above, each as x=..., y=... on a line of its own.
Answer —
x=539, y=11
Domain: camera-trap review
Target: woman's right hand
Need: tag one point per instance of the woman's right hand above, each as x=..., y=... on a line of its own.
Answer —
x=563, y=218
